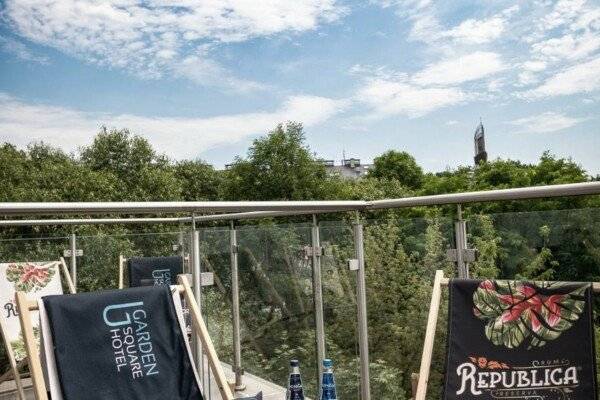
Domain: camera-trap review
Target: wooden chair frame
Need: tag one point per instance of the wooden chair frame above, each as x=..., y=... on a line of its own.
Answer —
x=123, y=261
x=25, y=306
x=14, y=365
x=422, y=378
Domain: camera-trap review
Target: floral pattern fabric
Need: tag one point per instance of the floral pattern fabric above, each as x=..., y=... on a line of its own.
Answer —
x=518, y=312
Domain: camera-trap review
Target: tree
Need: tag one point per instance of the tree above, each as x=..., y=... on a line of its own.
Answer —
x=502, y=174
x=449, y=181
x=142, y=173
x=120, y=152
x=278, y=167
x=44, y=173
x=554, y=171
x=398, y=165
x=199, y=180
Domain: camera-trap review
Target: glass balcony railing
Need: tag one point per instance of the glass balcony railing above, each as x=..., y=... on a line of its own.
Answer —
x=276, y=284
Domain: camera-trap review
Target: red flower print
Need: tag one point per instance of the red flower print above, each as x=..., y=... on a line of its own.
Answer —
x=516, y=312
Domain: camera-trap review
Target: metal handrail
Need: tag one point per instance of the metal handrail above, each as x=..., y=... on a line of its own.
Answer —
x=263, y=209
x=156, y=207
x=525, y=193
x=92, y=221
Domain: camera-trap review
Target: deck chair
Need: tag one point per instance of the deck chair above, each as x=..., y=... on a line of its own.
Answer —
x=26, y=305
x=513, y=330
x=35, y=279
x=151, y=271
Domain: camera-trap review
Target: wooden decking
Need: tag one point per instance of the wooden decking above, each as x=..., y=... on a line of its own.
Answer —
x=253, y=383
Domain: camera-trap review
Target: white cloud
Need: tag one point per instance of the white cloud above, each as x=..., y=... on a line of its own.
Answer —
x=496, y=85
x=393, y=96
x=590, y=19
x=427, y=27
x=22, y=123
x=207, y=72
x=19, y=50
x=545, y=123
x=534, y=66
x=530, y=72
x=388, y=93
x=564, y=12
x=527, y=78
x=461, y=69
x=568, y=47
x=580, y=78
x=477, y=31
x=405, y=5
x=152, y=38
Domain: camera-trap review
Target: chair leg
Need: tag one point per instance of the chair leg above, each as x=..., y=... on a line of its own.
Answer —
x=207, y=344
x=14, y=366
x=434, y=309
x=35, y=366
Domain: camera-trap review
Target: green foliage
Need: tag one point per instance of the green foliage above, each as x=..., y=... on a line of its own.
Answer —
x=199, y=181
x=43, y=173
x=485, y=239
x=119, y=152
x=278, y=167
x=398, y=165
x=505, y=174
x=141, y=173
x=541, y=267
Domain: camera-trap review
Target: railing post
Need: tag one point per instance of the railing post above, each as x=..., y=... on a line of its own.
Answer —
x=361, y=297
x=235, y=309
x=318, y=297
x=460, y=234
x=196, y=274
x=73, y=246
x=181, y=243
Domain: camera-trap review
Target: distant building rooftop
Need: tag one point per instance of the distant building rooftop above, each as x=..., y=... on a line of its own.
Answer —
x=350, y=168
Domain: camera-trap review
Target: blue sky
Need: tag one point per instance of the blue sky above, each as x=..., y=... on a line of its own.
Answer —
x=203, y=78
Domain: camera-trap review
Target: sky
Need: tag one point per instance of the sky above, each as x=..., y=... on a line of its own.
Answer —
x=201, y=79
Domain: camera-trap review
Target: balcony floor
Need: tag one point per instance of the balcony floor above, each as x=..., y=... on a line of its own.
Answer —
x=253, y=383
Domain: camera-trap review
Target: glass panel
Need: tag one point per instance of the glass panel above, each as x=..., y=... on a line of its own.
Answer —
x=546, y=245
x=98, y=268
x=32, y=249
x=340, y=307
x=560, y=245
x=216, y=299
x=276, y=303
x=401, y=257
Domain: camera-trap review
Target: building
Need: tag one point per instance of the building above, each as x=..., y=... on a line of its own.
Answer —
x=350, y=168
x=479, y=139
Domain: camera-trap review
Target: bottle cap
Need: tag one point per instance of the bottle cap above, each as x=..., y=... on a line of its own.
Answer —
x=327, y=363
x=294, y=363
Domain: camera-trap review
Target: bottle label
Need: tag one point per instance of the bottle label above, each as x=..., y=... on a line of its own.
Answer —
x=328, y=391
x=295, y=390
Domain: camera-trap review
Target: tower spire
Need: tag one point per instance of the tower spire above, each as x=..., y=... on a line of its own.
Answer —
x=479, y=139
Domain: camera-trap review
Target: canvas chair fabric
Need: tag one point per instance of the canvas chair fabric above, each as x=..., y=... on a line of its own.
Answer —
x=36, y=279
x=513, y=339
x=153, y=271
x=520, y=339
x=132, y=341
